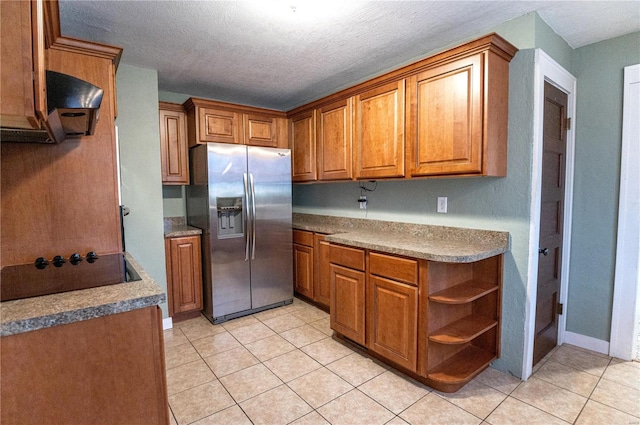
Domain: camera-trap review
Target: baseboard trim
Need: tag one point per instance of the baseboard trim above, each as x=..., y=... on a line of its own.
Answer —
x=167, y=323
x=590, y=343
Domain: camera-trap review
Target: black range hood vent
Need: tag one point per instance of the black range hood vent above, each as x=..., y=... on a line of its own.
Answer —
x=72, y=107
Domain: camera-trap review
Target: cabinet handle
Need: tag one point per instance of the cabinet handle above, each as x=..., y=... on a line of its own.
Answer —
x=543, y=251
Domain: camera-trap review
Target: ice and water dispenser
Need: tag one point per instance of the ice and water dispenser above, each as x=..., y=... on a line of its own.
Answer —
x=230, y=222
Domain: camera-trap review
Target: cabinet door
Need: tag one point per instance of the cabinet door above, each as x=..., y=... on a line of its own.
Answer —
x=23, y=100
x=184, y=271
x=333, y=136
x=173, y=145
x=303, y=147
x=347, y=303
x=392, y=309
x=445, y=128
x=303, y=270
x=217, y=125
x=379, y=132
x=322, y=271
x=260, y=130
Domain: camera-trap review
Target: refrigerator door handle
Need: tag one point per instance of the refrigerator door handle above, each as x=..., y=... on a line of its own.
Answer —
x=245, y=212
x=253, y=217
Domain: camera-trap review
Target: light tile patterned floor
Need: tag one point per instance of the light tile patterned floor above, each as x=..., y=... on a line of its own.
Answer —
x=281, y=366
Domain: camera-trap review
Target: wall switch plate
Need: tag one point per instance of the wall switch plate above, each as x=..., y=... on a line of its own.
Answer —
x=442, y=204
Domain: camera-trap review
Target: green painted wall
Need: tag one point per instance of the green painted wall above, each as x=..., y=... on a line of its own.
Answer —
x=599, y=70
x=138, y=135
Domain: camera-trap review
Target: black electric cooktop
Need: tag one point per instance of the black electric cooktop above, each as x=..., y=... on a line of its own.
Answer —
x=59, y=274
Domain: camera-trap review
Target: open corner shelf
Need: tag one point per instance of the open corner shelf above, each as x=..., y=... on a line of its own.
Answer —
x=452, y=374
x=463, y=330
x=464, y=292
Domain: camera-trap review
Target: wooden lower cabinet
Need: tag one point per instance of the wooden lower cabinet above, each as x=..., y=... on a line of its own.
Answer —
x=108, y=370
x=392, y=310
x=438, y=322
x=322, y=271
x=347, y=303
x=463, y=320
x=184, y=276
x=311, y=274
x=303, y=270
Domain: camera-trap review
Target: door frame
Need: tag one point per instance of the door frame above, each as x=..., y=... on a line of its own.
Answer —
x=626, y=289
x=548, y=70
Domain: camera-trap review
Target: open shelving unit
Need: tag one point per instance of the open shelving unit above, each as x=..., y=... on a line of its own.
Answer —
x=463, y=320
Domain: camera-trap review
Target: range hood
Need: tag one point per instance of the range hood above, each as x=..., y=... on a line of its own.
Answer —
x=72, y=107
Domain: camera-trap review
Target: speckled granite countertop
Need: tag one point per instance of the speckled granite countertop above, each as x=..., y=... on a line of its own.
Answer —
x=435, y=243
x=35, y=313
x=175, y=227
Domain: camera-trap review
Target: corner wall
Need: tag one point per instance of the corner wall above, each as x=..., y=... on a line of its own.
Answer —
x=599, y=70
x=139, y=136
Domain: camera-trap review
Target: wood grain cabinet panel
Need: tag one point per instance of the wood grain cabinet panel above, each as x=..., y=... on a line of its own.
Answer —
x=174, y=148
x=184, y=274
x=260, y=130
x=217, y=125
x=41, y=213
x=23, y=98
x=109, y=369
x=303, y=147
x=347, y=315
x=333, y=129
x=221, y=122
x=457, y=121
x=379, y=139
x=322, y=271
x=392, y=310
x=464, y=313
x=303, y=263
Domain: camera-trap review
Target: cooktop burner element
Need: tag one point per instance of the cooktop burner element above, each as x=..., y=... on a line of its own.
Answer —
x=45, y=277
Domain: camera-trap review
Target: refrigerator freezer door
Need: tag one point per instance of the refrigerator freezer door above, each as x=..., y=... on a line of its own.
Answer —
x=230, y=271
x=272, y=264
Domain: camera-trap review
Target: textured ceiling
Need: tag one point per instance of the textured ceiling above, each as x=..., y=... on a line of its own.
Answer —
x=281, y=54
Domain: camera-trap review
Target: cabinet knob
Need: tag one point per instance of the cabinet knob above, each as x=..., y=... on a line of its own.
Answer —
x=41, y=263
x=543, y=251
x=58, y=260
x=75, y=259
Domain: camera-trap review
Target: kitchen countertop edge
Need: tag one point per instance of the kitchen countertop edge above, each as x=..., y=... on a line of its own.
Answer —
x=434, y=243
x=180, y=230
x=46, y=311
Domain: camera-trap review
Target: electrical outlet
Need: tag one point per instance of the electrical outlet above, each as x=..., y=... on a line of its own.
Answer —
x=442, y=204
x=363, y=202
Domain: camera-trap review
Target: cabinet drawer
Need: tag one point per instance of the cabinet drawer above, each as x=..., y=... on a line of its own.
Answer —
x=347, y=257
x=396, y=268
x=303, y=237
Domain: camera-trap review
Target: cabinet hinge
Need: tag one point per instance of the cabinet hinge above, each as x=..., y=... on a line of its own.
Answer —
x=568, y=123
x=560, y=308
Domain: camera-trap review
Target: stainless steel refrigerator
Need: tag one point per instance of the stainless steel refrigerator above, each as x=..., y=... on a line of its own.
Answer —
x=241, y=197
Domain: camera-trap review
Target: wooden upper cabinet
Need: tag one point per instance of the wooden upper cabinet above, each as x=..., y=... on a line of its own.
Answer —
x=379, y=141
x=23, y=98
x=303, y=147
x=457, y=124
x=216, y=125
x=333, y=141
x=213, y=121
x=173, y=144
x=260, y=130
